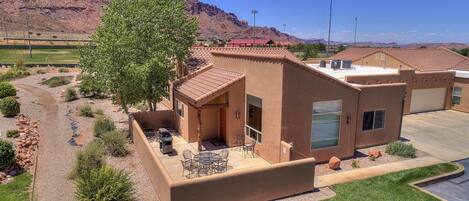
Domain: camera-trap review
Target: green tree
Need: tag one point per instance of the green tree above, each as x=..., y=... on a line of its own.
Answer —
x=136, y=49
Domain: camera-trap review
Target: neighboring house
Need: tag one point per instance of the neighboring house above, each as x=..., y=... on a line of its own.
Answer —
x=258, y=42
x=291, y=110
x=429, y=74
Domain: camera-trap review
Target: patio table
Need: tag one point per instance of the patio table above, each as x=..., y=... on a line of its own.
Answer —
x=207, y=158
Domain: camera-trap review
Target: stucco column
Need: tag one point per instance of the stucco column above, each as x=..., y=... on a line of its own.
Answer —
x=199, y=129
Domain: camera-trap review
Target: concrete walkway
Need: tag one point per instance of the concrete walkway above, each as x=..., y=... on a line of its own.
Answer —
x=456, y=189
x=364, y=173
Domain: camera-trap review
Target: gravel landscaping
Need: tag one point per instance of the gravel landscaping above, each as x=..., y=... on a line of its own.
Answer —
x=56, y=154
x=362, y=160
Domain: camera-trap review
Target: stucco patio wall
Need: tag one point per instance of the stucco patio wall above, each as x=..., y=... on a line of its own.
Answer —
x=260, y=183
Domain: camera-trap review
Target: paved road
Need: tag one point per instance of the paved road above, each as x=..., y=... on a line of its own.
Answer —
x=456, y=189
x=55, y=154
x=442, y=134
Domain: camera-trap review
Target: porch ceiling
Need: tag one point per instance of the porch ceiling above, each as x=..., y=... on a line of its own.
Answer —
x=207, y=84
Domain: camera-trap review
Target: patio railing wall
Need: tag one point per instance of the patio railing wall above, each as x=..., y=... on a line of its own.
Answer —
x=154, y=167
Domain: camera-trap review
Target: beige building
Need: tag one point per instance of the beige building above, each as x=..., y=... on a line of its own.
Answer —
x=428, y=73
x=268, y=96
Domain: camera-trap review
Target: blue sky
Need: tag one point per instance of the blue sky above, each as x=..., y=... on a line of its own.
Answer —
x=402, y=21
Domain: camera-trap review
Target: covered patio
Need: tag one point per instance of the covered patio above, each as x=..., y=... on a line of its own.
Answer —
x=209, y=107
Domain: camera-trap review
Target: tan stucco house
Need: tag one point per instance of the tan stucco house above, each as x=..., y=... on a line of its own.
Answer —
x=291, y=110
x=430, y=75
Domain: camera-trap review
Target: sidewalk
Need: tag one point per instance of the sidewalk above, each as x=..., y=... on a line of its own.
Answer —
x=363, y=173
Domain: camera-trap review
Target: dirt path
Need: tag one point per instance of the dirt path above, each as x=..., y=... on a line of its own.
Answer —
x=55, y=154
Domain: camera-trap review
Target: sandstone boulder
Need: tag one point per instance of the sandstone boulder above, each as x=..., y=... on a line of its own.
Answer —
x=334, y=163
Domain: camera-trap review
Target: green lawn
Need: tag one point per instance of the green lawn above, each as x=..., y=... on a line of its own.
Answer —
x=393, y=186
x=17, y=190
x=40, y=56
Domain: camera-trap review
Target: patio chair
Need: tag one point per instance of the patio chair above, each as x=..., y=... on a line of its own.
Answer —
x=188, y=165
x=221, y=166
x=224, y=154
x=249, y=148
x=187, y=154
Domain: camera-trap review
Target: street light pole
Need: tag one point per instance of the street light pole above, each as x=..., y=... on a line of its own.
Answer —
x=329, y=34
x=254, y=12
x=355, y=37
x=29, y=37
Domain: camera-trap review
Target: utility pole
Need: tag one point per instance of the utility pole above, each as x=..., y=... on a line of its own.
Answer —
x=29, y=36
x=355, y=37
x=254, y=12
x=329, y=34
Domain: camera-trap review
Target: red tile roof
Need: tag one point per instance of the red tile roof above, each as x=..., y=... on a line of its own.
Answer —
x=249, y=41
x=206, y=82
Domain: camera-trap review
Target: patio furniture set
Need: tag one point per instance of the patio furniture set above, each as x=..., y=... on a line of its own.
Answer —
x=205, y=162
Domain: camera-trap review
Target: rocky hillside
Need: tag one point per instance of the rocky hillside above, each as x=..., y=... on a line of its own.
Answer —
x=82, y=16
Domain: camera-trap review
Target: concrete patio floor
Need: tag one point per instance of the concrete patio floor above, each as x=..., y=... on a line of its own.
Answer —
x=172, y=162
x=442, y=134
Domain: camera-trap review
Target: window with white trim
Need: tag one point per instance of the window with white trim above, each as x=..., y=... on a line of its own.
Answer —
x=457, y=92
x=254, y=118
x=180, y=108
x=325, y=125
x=373, y=120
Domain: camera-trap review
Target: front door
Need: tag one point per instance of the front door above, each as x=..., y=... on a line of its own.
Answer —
x=223, y=123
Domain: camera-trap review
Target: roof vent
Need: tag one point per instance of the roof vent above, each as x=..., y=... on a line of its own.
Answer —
x=346, y=64
x=335, y=64
x=322, y=64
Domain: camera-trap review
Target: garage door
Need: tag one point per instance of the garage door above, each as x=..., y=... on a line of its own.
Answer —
x=425, y=100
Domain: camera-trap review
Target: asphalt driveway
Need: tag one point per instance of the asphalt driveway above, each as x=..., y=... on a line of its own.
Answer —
x=456, y=189
x=442, y=134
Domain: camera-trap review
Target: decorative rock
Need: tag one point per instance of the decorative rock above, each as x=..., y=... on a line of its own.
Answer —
x=374, y=153
x=334, y=163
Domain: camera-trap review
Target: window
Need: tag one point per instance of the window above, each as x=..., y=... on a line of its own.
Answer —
x=254, y=118
x=457, y=91
x=167, y=92
x=180, y=108
x=326, y=124
x=373, y=120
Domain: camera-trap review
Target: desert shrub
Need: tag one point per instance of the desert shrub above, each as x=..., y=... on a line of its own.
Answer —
x=9, y=106
x=13, y=133
x=88, y=159
x=355, y=164
x=90, y=86
x=401, y=149
x=142, y=106
x=115, y=143
x=57, y=81
x=103, y=125
x=7, y=89
x=7, y=154
x=99, y=112
x=105, y=183
x=41, y=71
x=14, y=73
x=85, y=111
x=70, y=94
x=64, y=70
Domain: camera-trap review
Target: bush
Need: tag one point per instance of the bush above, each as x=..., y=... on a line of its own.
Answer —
x=70, y=94
x=91, y=158
x=106, y=183
x=103, y=125
x=99, y=112
x=115, y=143
x=14, y=73
x=41, y=71
x=89, y=86
x=63, y=70
x=7, y=154
x=57, y=81
x=7, y=89
x=85, y=111
x=9, y=106
x=401, y=149
x=13, y=133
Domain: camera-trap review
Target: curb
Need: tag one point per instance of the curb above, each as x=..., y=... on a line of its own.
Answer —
x=432, y=180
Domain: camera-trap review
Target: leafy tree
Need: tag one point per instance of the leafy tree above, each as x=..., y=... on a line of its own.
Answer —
x=135, y=50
